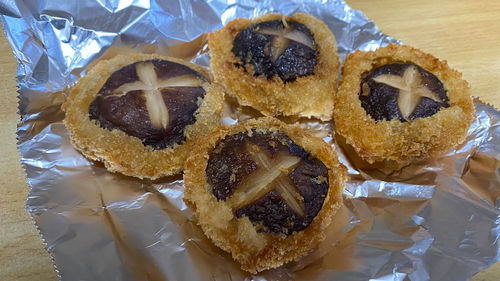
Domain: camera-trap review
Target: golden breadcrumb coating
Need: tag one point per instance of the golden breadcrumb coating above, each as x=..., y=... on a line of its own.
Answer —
x=395, y=141
x=307, y=96
x=121, y=152
x=257, y=251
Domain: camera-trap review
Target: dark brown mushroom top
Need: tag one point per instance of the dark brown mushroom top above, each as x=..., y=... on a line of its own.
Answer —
x=268, y=178
x=403, y=91
x=152, y=100
x=278, y=47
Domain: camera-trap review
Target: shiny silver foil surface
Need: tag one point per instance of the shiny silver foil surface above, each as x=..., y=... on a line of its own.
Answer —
x=437, y=220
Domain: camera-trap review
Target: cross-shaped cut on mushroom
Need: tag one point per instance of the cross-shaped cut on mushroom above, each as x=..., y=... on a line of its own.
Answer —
x=271, y=174
x=411, y=89
x=151, y=87
x=282, y=37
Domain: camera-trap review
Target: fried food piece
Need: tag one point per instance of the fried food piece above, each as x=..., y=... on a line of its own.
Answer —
x=398, y=104
x=264, y=191
x=278, y=65
x=141, y=114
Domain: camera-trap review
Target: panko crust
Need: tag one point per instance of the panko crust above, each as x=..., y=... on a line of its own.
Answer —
x=126, y=154
x=307, y=96
x=259, y=251
x=394, y=141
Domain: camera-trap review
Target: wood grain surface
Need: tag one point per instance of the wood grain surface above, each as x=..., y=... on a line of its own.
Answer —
x=465, y=33
x=22, y=254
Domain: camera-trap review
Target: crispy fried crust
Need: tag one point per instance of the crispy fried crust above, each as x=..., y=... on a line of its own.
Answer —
x=308, y=96
x=394, y=141
x=121, y=152
x=259, y=251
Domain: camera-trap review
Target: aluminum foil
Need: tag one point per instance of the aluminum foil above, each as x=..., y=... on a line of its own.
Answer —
x=437, y=220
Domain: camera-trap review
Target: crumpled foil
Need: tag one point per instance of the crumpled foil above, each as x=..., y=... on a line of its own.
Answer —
x=437, y=220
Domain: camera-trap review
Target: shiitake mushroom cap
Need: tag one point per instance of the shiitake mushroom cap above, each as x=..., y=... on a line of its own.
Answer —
x=276, y=48
x=232, y=163
x=128, y=111
x=385, y=93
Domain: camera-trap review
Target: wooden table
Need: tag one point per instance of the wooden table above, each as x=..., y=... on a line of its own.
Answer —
x=466, y=33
